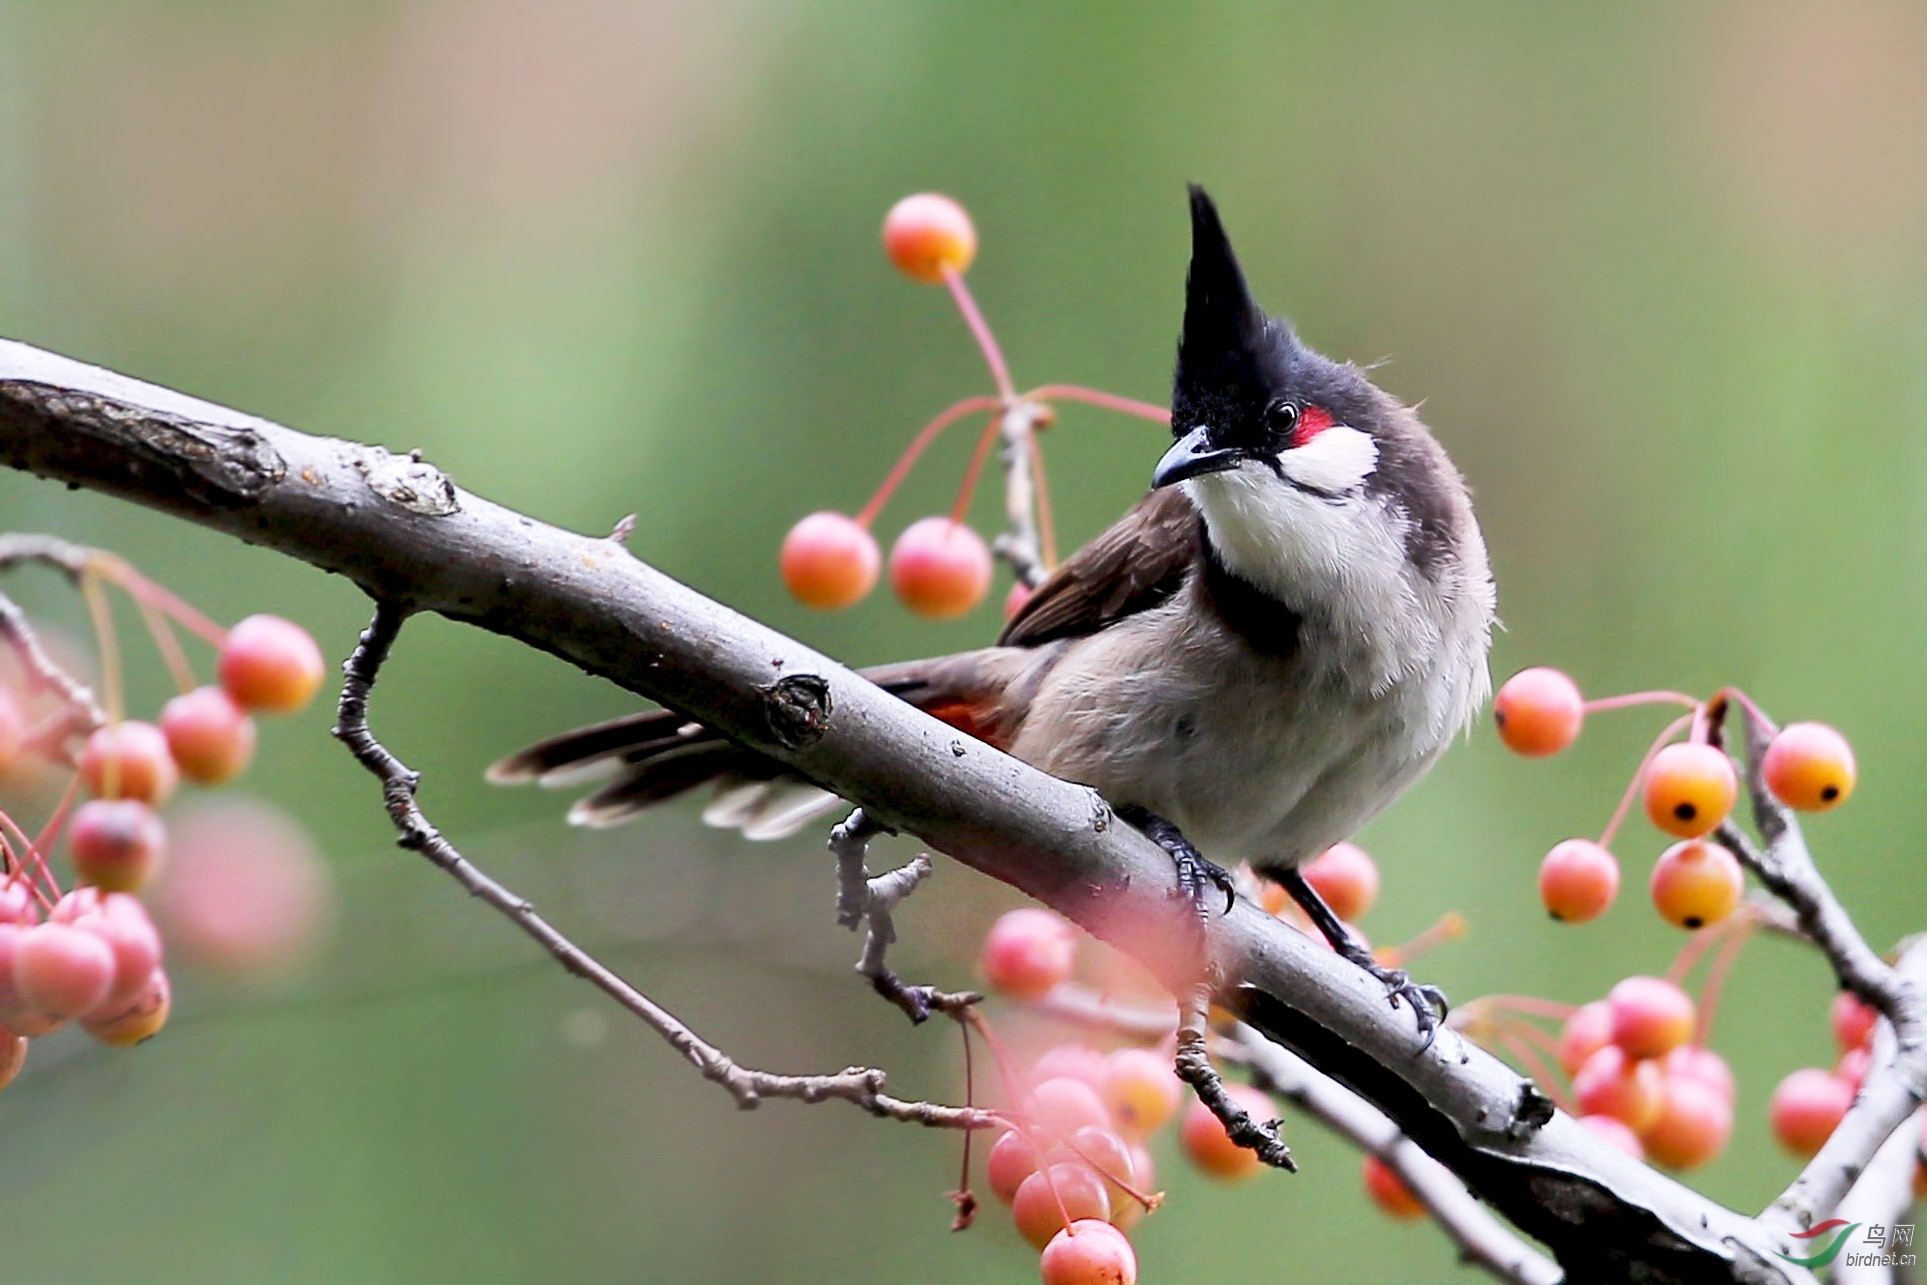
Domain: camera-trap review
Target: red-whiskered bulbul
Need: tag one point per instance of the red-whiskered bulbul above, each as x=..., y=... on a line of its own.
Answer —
x=1265, y=651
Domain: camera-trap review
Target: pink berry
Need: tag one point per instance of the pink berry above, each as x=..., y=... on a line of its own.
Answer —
x=1012, y=1159
x=1651, y=1016
x=1037, y=1211
x=1589, y=1029
x=1697, y=1062
x=117, y=844
x=830, y=561
x=271, y=664
x=1807, y=1107
x=1027, y=952
x=1061, y=1106
x=246, y=892
x=940, y=568
x=62, y=970
x=1106, y=1152
x=17, y=904
x=1616, y=1132
x=1089, y=1252
x=121, y=921
x=927, y=234
x=129, y=761
x=13, y=728
x=1078, y=1061
x=1539, y=712
x=210, y=737
x=1578, y=881
x=1853, y=1020
x=1346, y=877
x=17, y=1013
x=1014, y=600
x=1853, y=1066
x=1695, y=883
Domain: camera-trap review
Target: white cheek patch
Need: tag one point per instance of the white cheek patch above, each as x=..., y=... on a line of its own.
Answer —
x=1336, y=461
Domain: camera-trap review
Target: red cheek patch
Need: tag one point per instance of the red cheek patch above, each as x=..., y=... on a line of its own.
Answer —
x=1312, y=421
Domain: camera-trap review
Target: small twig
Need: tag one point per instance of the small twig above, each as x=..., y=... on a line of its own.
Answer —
x=1896, y=1085
x=861, y=1086
x=1019, y=544
x=1482, y=1240
x=1194, y=1067
x=862, y=899
x=1883, y=1194
x=82, y=712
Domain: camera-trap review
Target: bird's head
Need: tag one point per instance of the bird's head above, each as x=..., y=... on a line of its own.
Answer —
x=1314, y=484
x=1257, y=413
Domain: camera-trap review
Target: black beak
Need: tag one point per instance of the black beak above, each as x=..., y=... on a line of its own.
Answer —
x=1194, y=455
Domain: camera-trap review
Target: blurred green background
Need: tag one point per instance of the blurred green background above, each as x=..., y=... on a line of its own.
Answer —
x=1656, y=271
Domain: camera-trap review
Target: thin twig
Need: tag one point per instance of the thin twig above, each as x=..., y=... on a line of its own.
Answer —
x=81, y=712
x=1019, y=544
x=861, y=1086
x=1193, y=1064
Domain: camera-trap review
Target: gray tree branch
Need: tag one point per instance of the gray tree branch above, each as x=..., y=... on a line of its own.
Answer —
x=403, y=531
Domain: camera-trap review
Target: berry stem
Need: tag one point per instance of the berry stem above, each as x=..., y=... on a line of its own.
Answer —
x=143, y=590
x=985, y=440
x=1632, y=787
x=993, y=355
x=1722, y=964
x=1095, y=397
x=101, y=614
x=167, y=644
x=928, y=434
x=1630, y=699
x=33, y=850
x=1449, y=926
x=1532, y=1006
x=1753, y=711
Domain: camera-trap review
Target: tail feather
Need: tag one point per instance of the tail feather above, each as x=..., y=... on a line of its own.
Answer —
x=659, y=755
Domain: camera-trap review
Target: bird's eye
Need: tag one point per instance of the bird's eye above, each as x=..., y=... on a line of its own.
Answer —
x=1281, y=416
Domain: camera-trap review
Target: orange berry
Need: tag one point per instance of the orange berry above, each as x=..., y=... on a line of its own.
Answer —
x=1388, y=1191
x=1693, y=1124
x=1690, y=788
x=1695, y=883
x=1142, y=1090
x=1210, y=1148
x=117, y=844
x=13, y=730
x=829, y=561
x=129, y=760
x=1346, y=877
x=1027, y=952
x=124, y=1023
x=1539, y=712
x=1578, y=881
x=927, y=233
x=1807, y=1107
x=1089, y=1252
x=1011, y=1160
x=210, y=737
x=1628, y=1090
x=1853, y=1020
x=13, y=1055
x=271, y=664
x=1036, y=1208
x=1651, y=1016
x=1809, y=766
x=940, y=568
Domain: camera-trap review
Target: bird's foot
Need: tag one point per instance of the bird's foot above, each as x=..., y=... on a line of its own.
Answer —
x=1428, y=1003
x=1198, y=877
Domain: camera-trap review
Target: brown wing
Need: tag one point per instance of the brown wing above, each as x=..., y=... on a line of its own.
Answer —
x=1133, y=566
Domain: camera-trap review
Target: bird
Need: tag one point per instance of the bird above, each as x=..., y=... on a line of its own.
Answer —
x=1281, y=636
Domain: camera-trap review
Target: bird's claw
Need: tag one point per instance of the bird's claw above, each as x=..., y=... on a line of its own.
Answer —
x=1197, y=877
x=1428, y=1003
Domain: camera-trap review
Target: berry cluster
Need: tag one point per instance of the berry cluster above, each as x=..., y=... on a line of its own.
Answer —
x=939, y=566
x=1688, y=789
x=91, y=954
x=1087, y=1113
x=1641, y=1072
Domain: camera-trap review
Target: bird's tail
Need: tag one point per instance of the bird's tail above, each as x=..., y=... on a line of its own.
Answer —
x=644, y=759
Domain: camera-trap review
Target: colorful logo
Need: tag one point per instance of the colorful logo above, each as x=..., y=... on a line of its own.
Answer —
x=1832, y=1251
